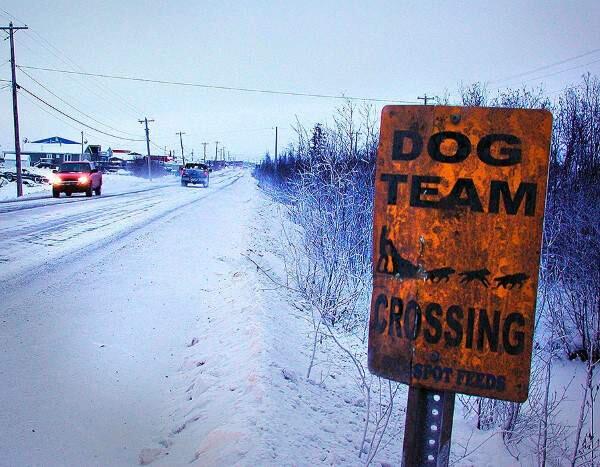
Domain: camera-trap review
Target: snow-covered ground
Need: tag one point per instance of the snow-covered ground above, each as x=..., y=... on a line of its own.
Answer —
x=95, y=337
x=137, y=329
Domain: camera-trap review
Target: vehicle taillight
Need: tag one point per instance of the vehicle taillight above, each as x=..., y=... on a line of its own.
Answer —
x=206, y=172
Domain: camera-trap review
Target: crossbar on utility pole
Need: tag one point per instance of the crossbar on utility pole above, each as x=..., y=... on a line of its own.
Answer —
x=426, y=98
x=145, y=120
x=181, y=133
x=11, y=29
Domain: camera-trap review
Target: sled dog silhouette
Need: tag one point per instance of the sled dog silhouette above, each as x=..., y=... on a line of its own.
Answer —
x=437, y=275
x=476, y=275
x=511, y=280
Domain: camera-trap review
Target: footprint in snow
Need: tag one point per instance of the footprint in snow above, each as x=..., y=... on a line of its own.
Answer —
x=289, y=375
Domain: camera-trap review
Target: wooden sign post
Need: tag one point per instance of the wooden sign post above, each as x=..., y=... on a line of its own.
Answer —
x=459, y=203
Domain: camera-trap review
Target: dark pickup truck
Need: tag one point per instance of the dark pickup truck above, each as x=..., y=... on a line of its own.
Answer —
x=76, y=177
x=195, y=174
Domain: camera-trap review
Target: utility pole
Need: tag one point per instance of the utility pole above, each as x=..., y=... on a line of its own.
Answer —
x=275, y=142
x=216, y=149
x=192, y=155
x=81, y=157
x=11, y=29
x=204, y=144
x=145, y=120
x=181, y=142
x=426, y=98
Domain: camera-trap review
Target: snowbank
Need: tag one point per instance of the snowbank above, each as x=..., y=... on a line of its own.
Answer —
x=111, y=184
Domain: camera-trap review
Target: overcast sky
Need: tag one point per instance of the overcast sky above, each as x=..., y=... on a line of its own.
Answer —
x=394, y=50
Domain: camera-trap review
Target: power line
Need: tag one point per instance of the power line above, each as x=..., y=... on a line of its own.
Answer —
x=126, y=105
x=11, y=16
x=545, y=67
x=43, y=109
x=53, y=50
x=80, y=83
x=44, y=43
x=562, y=71
x=222, y=88
x=49, y=46
x=63, y=120
x=92, y=87
x=73, y=107
x=156, y=145
x=74, y=119
x=50, y=113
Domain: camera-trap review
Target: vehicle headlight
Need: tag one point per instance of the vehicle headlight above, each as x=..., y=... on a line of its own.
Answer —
x=83, y=180
x=55, y=180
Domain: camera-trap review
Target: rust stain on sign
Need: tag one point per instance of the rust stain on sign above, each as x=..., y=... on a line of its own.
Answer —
x=459, y=203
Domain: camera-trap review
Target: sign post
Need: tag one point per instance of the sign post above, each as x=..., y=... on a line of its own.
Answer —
x=459, y=203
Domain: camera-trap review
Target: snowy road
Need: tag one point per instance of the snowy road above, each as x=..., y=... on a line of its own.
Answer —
x=41, y=232
x=99, y=324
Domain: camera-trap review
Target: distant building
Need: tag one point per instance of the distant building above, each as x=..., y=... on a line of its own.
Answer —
x=56, y=150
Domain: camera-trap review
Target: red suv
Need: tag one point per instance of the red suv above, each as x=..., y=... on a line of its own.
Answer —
x=76, y=177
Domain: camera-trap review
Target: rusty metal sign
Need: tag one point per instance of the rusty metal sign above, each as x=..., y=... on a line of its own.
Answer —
x=459, y=204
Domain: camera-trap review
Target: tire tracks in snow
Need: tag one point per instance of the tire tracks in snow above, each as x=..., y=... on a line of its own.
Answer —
x=42, y=202
x=29, y=273
x=45, y=201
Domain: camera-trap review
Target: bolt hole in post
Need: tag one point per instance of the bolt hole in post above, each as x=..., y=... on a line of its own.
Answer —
x=428, y=428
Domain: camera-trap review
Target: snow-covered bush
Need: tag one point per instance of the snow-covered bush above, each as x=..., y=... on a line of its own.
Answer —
x=325, y=184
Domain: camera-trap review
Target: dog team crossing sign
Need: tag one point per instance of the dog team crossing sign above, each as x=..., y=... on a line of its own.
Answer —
x=459, y=204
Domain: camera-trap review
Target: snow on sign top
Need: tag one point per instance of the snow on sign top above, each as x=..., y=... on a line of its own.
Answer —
x=459, y=204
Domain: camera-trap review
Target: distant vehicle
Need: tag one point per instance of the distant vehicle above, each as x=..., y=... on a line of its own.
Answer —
x=11, y=176
x=171, y=167
x=76, y=177
x=195, y=173
x=45, y=165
